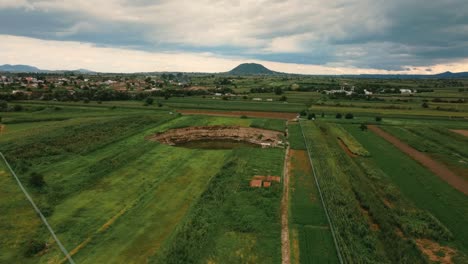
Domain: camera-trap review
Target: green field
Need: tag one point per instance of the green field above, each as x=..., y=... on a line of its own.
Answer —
x=112, y=196
x=105, y=184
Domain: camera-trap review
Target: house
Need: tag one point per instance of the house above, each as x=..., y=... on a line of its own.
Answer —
x=367, y=92
x=269, y=100
x=406, y=91
x=257, y=99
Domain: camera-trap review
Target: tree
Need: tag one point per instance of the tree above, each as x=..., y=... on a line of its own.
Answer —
x=18, y=108
x=34, y=247
x=278, y=91
x=349, y=116
x=311, y=116
x=378, y=118
x=363, y=127
x=3, y=105
x=303, y=113
x=323, y=114
x=37, y=180
x=339, y=116
x=149, y=101
x=283, y=98
x=425, y=105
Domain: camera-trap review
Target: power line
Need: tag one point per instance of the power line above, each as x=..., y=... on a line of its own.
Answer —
x=44, y=220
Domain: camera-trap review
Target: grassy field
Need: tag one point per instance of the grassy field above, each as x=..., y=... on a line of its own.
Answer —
x=104, y=185
x=372, y=218
x=420, y=186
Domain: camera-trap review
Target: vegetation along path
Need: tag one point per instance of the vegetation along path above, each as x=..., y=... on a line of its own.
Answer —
x=437, y=168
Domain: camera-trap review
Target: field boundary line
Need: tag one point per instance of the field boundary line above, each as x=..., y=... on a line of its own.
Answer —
x=332, y=229
x=44, y=220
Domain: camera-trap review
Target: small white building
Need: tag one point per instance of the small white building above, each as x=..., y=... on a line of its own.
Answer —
x=406, y=91
x=257, y=99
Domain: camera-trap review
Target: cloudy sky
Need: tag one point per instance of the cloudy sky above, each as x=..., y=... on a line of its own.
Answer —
x=300, y=36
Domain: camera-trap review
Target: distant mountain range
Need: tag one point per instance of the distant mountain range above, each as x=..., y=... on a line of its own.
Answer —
x=31, y=69
x=251, y=69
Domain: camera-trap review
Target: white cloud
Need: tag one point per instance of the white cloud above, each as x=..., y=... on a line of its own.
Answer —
x=68, y=55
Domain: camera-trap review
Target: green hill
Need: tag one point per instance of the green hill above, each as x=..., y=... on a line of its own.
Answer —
x=250, y=69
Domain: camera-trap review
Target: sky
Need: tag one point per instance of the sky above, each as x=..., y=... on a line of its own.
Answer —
x=297, y=36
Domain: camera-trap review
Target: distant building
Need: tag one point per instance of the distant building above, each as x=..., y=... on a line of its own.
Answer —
x=406, y=91
x=257, y=99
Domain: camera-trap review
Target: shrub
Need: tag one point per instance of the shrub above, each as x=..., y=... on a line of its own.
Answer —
x=311, y=116
x=18, y=108
x=283, y=98
x=303, y=113
x=349, y=116
x=339, y=116
x=36, y=180
x=34, y=247
x=149, y=101
x=425, y=105
x=3, y=105
x=378, y=118
x=363, y=127
x=243, y=117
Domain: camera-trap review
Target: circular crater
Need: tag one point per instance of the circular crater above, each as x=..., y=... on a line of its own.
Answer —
x=218, y=137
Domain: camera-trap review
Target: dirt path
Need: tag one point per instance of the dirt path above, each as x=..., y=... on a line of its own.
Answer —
x=460, y=131
x=437, y=168
x=285, y=244
x=273, y=115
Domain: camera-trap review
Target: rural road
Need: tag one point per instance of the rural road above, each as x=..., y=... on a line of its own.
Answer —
x=285, y=254
x=436, y=167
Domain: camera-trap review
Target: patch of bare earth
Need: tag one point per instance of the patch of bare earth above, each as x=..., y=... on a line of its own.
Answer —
x=435, y=252
x=273, y=115
x=462, y=132
x=257, y=136
x=370, y=220
x=300, y=162
x=437, y=168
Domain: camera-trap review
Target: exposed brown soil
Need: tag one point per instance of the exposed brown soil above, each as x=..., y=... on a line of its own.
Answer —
x=2, y=128
x=460, y=131
x=435, y=252
x=436, y=167
x=388, y=203
x=273, y=115
x=263, y=137
x=196, y=88
x=373, y=225
x=346, y=149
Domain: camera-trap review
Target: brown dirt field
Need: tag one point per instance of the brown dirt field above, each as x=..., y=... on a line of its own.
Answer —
x=273, y=115
x=247, y=134
x=346, y=149
x=435, y=252
x=460, y=131
x=266, y=184
x=437, y=168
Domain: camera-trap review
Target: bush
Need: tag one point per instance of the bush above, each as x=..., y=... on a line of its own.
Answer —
x=34, y=247
x=36, y=180
x=303, y=113
x=363, y=127
x=86, y=100
x=283, y=98
x=378, y=118
x=425, y=105
x=339, y=116
x=311, y=116
x=243, y=117
x=349, y=116
x=149, y=101
x=278, y=91
x=18, y=108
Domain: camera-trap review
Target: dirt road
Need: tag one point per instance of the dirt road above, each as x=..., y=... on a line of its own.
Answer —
x=437, y=168
x=285, y=254
x=273, y=115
